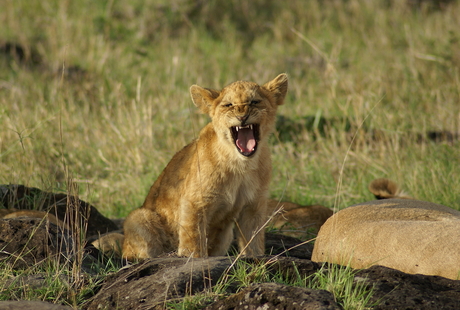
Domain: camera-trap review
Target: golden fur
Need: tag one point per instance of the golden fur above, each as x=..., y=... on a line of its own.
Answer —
x=295, y=220
x=110, y=243
x=218, y=181
x=15, y=213
x=385, y=189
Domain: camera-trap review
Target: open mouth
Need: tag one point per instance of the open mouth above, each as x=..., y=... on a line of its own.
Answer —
x=246, y=138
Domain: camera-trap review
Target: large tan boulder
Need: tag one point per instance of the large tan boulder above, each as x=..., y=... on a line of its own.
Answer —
x=409, y=235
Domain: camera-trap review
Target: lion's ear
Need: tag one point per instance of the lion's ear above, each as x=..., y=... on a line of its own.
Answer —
x=278, y=87
x=203, y=97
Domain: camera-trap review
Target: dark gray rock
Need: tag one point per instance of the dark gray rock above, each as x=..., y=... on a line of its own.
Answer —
x=67, y=208
x=289, y=267
x=271, y=296
x=28, y=241
x=33, y=282
x=28, y=305
x=287, y=246
x=152, y=283
x=148, y=285
x=394, y=289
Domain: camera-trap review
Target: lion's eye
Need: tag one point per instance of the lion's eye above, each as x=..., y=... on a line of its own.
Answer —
x=254, y=102
x=228, y=105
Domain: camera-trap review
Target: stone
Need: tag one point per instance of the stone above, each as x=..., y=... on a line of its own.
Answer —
x=148, y=285
x=26, y=242
x=278, y=244
x=394, y=289
x=154, y=282
x=27, y=305
x=290, y=267
x=408, y=235
x=67, y=208
x=272, y=296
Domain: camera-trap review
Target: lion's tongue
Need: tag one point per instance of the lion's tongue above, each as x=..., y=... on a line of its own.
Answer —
x=245, y=141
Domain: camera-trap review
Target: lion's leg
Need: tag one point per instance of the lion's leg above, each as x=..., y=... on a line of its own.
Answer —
x=219, y=239
x=250, y=226
x=192, y=231
x=144, y=236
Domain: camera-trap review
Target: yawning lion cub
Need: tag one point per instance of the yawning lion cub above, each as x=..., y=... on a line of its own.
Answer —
x=217, y=182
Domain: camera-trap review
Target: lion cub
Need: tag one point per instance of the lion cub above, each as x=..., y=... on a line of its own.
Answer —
x=218, y=181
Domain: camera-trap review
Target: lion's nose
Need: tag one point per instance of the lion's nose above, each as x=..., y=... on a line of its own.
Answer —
x=243, y=118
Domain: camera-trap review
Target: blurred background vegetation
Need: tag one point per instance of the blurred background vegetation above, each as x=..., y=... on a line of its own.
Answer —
x=96, y=93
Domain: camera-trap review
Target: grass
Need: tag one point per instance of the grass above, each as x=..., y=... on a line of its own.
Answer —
x=339, y=280
x=97, y=92
x=53, y=281
x=108, y=98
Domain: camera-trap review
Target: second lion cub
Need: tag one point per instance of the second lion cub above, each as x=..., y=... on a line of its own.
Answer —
x=217, y=182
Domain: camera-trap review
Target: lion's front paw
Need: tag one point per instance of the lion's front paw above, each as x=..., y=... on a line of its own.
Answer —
x=187, y=252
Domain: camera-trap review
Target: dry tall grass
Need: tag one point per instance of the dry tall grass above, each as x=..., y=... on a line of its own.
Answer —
x=101, y=89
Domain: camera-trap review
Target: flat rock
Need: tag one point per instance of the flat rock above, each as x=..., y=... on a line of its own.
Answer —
x=28, y=305
x=26, y=242
x=287, y=246
x=409, y=235
x=69, y=209
x=394, y=289
x=152, y=283
x=148, y=285
x=288, y=266
x=271, y=296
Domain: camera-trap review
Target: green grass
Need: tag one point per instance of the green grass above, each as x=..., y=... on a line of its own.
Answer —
x=100, y=96
x=53, y=281
x=108, y=98
x=339, y=280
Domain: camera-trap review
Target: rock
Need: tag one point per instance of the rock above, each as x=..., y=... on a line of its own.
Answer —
x=69, y=209
x=27, y=305
x=26, y=242
x=150, y=284
x=154, y=282
x=393, y=289
x=277, y=244
x=277, y=296
x=290, y=268
x=409, y=235
x=33, y=282
x=386, y=226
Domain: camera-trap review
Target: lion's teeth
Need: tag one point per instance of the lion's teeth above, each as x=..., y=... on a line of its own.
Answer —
x=251, y=126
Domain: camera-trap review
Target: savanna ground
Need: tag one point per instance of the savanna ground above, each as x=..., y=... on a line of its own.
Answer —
x=95, y=93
